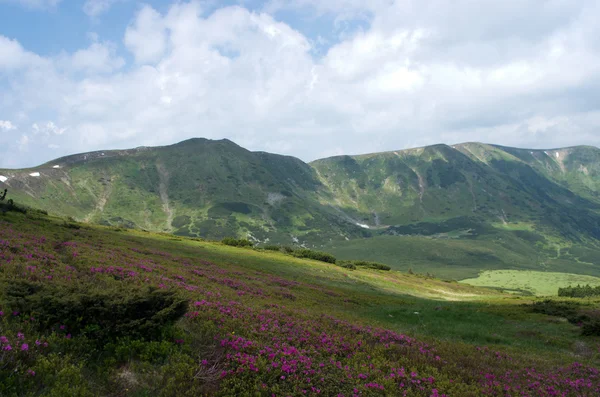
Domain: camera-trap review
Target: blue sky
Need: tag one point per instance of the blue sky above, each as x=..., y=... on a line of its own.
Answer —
x=353, y=76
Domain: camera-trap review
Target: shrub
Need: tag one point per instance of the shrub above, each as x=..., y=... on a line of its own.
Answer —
x=553, y=308
x=272, y=248
x=347, y=265
x=372, y=265
x=10, y=206
x=286, y=249
x=579, y=291
x=242, y=242
x=316, y=255
x=100, y=314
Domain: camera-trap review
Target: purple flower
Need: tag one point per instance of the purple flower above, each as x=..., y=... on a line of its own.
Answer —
x=3, y=339
x=7, y=348
x=37, y=342
x=68, y=336
x=24, y=347
x=20, y=336
x=31, y=372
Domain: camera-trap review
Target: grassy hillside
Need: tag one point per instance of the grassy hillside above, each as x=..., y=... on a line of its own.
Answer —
x=195, y=188
x=449, y=210
x=258, y=323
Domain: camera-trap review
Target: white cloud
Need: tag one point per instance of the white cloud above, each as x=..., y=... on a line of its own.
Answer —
x=6, y=125
x=97, y=58
x=23, y=142
x=13, y=56
x=146, y=38
x=420, y=73
x=95, y=8
x=47, y=129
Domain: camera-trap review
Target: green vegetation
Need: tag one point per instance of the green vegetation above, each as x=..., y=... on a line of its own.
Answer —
x=316, y=255
x=579, y=291
x=235, y=242
x=585, y=317
x=108, y=316
x=94, y=311
x=537, y=283
x=365, y=264
x=452, y=211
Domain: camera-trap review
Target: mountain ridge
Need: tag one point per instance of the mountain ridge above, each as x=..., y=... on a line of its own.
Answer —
x=216, y=188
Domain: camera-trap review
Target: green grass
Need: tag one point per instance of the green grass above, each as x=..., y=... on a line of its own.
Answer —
x=451, y=317
x=538, y=283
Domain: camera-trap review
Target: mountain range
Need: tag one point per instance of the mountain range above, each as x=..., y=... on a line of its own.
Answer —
x=455, y=210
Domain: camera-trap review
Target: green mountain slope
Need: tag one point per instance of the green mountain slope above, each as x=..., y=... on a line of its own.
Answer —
x=197, y=187
x=494, y=207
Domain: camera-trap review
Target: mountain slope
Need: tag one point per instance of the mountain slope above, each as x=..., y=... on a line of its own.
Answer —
x=527, y=209
x=197, y=187
x=440, y=182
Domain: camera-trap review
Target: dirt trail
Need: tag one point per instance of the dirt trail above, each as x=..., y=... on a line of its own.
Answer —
x=163, y=188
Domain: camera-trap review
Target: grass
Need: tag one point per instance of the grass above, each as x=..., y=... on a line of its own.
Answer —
x=538, y=283
x=257, y=320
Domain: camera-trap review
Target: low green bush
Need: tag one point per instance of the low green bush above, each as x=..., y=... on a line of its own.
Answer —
x=234, y=242
x=272, y=248
x=372, y=265
x=100, y=314
x=579, y=291
x=316, y=255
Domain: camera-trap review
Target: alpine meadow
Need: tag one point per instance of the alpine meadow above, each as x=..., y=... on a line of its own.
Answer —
x=202, y=268
x=290, y=198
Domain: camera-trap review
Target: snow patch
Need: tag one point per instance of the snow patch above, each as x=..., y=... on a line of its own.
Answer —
x=363, y=225
x=557, y=155
x=3, y=178
x=36, y=174
x=56, y=166
x=531, y=152
x=546, y=153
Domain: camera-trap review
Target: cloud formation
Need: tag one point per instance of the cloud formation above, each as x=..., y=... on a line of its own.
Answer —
x=34, y=4
x=514, y=72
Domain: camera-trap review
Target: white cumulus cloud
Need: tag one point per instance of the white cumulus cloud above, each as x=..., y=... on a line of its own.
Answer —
x=7, y=125
x=516, y=72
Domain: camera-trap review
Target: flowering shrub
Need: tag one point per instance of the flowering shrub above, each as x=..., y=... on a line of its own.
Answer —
x=85, y=313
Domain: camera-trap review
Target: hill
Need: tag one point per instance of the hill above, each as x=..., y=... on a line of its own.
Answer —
x=467, y=208
x=90, y=310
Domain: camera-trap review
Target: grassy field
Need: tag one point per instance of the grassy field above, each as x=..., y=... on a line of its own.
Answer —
x=537, y=283
x=462, y=258
x=258, y=323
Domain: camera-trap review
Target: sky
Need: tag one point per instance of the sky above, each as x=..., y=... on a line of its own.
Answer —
x=307, y=78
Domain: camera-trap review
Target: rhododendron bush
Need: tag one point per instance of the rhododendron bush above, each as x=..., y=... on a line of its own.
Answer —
x=94, y=312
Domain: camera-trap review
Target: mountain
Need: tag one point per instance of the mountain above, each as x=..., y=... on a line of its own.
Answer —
x=198, y=187
x=557, y=190
x=480, y=206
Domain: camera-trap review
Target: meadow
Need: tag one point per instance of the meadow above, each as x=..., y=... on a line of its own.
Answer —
x=537, y=283
x=98, y=311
